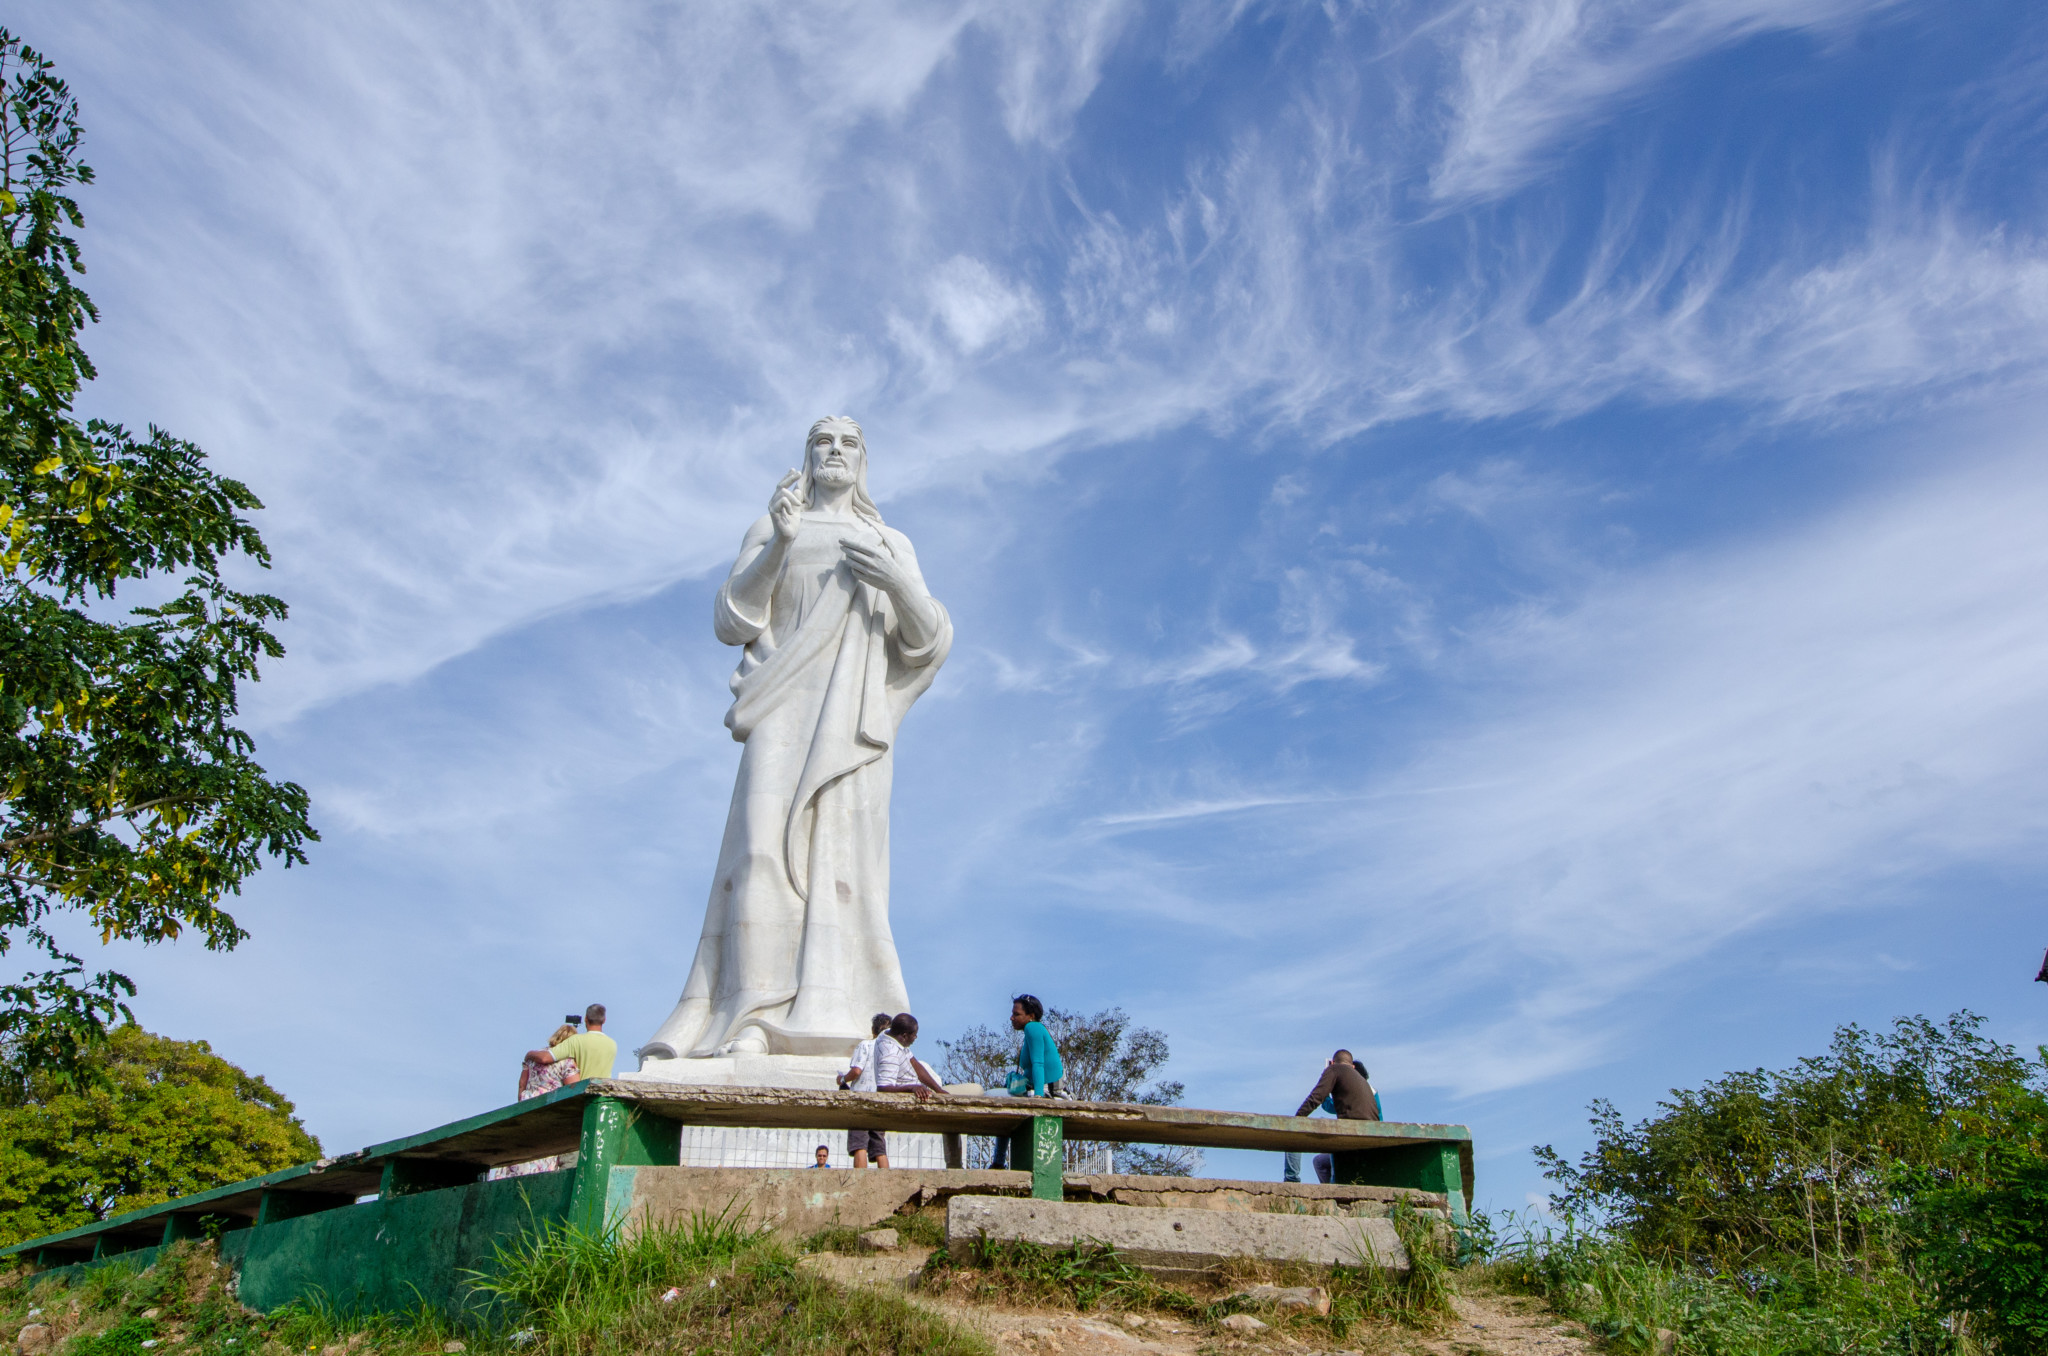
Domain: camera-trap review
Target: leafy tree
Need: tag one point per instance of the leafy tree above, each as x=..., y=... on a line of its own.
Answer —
x=1797, y=1162
x=128, y=795
x=1106, y=1060
x=1977, y=1226
x=160, y=1118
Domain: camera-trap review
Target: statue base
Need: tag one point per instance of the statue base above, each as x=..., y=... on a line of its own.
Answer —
x=743, y=1071
x=719, y=1146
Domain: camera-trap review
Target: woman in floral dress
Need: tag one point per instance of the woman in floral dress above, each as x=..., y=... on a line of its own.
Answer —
x=536, y=1080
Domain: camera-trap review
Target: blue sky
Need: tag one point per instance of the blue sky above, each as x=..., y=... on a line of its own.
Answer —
x=1505, y=536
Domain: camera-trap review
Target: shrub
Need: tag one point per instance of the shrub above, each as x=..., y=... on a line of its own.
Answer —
x=1976, y=1228
x=1763, y=1165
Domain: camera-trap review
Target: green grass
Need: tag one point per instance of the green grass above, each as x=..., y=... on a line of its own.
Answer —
x=558, y=1292
x=921, y=1228
x=1086, y=1276
x=182, y=1303
x=734, y=1290
x=1789, y=1307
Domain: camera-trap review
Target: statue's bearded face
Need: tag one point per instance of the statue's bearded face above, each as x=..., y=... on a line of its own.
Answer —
x=835, y=453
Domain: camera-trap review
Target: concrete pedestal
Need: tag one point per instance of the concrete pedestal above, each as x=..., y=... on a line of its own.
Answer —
x=743, y=1071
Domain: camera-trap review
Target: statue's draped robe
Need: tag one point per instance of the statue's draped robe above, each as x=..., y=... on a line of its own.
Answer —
x=796, y=953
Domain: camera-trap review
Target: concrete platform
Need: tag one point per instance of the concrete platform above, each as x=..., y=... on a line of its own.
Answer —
x=434, y=1220
x=1175, y=1241
x=1279, y=1198
x=797, y=1203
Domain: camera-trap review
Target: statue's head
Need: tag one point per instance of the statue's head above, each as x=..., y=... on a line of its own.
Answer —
x=836, y=454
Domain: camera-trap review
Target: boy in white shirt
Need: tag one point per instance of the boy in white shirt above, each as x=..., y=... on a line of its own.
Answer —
x=861, y=1078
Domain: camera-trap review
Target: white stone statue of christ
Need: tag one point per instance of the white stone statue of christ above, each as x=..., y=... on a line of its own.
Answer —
x=841, y=636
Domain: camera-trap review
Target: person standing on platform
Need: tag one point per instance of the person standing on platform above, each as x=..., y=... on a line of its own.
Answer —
x=538, y=1080
x=1039, y=1072
x=1350, y=1094
x=861, y=1077
x=593, y=1051
x=863, y=1144
x=896, y=1070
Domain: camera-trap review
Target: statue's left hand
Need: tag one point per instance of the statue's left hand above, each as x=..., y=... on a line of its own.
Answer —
x=874, y=565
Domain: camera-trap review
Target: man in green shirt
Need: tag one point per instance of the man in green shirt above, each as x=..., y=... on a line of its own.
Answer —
x=593, y=1051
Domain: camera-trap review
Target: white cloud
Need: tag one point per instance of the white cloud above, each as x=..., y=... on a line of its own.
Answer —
x=1532, y=73
x=1313, y=314
x=1053, y=57
x=1180, y=811
x=977, y=306
x=505, y=314
x=1730, y=742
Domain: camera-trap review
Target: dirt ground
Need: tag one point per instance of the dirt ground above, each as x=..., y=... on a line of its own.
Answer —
x=1488, y=1324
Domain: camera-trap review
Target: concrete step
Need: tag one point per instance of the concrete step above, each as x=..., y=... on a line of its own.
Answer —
x=1170, y=1240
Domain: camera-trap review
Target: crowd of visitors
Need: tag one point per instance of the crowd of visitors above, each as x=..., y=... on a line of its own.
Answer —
x=883, y=1063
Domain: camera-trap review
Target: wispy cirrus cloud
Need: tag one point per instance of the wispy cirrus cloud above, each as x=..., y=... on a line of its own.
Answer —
x=522, y=315
x=1739, y=740
x=1533, y=75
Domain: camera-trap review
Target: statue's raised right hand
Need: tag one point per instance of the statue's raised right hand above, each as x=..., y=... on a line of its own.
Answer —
x=786, y=508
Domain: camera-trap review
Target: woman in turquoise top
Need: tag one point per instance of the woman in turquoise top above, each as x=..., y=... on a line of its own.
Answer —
x=1038, y=1059
x=1039, y=1072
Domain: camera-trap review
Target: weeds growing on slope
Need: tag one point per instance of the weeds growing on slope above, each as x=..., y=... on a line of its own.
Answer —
x=921, y=1229
x=1088, y=1275
x=709, y=1281
x=570, y=1281
x=1093, y=1275
x=1788, y=1308
x=1419, y=1297
x=184, y=1301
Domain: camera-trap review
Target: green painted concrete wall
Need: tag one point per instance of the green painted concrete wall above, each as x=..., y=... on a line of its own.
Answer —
x=1427, y=1167
x=396, y=1254
x=1048, y=1158
x=383, y=1256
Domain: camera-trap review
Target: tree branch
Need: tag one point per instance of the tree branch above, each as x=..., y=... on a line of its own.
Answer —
x=49, y=835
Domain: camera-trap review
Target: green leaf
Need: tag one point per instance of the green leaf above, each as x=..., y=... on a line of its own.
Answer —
x=132, y=798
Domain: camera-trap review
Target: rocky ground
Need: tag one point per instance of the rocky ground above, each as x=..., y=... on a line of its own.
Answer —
x=1488, y=1323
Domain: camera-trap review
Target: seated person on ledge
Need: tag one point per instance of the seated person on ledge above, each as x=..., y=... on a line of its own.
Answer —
x=1350, y=1095
x=1039, y=1072
x=896, y=1070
